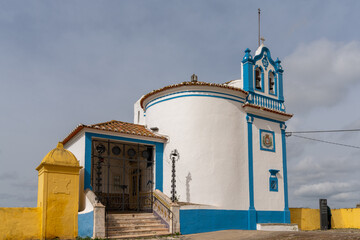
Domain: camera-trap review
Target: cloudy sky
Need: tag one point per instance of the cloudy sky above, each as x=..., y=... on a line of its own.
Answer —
x=68, y=62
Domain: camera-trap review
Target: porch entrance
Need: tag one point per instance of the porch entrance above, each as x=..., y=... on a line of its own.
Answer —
x=122, y=175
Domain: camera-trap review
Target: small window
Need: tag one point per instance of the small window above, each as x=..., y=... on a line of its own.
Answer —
x=273, y=180
x=271, y=83
x=258, y=78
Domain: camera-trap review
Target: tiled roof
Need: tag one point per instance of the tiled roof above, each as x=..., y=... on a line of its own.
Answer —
x=190, y=84
x=118, y=127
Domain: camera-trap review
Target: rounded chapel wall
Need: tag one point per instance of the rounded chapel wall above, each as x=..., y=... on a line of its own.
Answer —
x=209, y=134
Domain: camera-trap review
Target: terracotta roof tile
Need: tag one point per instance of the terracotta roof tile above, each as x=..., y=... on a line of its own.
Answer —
x=116, y=126
x=189, y=84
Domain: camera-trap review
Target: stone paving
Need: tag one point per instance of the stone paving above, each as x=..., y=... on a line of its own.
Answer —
x=333, y=234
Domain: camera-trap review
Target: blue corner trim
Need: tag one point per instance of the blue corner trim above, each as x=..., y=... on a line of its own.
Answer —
x=286, y=208
x=87, y=170
x=261, y=141
x=159, y=148
x=156, y=101
x=86, y=224
x=251, y=224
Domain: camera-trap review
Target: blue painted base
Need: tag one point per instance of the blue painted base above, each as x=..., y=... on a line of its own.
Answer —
x=252, y=219
x=209, y=220
x=85, y=224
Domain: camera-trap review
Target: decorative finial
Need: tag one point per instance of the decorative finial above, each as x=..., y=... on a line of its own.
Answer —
x=194, y=78
x=262, y=40
x=247, y=56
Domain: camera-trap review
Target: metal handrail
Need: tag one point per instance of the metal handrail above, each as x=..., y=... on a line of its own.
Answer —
x=158, y=198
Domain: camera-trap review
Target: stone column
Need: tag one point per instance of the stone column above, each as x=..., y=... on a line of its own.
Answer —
x=58, y=194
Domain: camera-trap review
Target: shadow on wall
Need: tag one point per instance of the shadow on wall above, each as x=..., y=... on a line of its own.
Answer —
x=188, y=179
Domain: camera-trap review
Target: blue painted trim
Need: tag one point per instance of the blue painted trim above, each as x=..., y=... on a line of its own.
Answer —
x=264, y=118
x=248, y=74
x=86, y=224
x=87, y=170
x=275, y=83
x=266, y=149
x=270, y=217
x=159, y=148
x=208, y=220
x=281, y=91
x=286, y=207
x=191, y=95
x=251, y=211
x=262, y=79
x=268, y=54
x=226, y=94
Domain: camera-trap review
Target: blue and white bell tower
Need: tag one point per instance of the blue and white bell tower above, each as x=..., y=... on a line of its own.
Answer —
x=263, y=78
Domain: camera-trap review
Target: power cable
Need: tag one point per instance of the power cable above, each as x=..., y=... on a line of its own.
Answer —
x=327, y=131
x=318, y=140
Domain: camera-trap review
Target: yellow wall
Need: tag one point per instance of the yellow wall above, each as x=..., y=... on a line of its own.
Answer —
x=345, y=218
x=305, y=218
x=20, y=223
x=309, y=219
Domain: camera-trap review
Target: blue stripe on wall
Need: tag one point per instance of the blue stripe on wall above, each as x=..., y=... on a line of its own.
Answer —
x=269, y=216
x=208, y=220
x=191, y=95
x=159, y=148
x=85, y=224
x=225, y=94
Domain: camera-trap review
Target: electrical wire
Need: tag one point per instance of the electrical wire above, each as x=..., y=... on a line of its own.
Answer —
x=318, y=140
x=327, y=131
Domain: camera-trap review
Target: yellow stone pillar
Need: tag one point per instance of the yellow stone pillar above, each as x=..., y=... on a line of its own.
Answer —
x=58, y=194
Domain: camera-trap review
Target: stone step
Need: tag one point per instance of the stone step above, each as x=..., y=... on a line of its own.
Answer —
x=134, y=226
x=130, y=219
x=138, y=231
x=136, y=222
x=129, y=215
x=136, y=236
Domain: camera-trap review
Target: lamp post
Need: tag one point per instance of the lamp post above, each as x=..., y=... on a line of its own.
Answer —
x=174, y=156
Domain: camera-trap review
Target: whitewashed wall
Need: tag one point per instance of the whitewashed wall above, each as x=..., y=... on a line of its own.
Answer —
x=77, y=146
x=209, y=134
x=264, y=199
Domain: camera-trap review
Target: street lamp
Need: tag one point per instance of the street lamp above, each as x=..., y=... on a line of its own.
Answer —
x=174, y=156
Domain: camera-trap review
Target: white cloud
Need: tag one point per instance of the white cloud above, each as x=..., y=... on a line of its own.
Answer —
x=319, y=74
x=325, y=189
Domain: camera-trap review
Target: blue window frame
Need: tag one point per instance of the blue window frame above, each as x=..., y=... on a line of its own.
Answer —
x=273, y=180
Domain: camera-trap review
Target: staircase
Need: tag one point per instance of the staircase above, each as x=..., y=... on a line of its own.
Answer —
x=134, y=225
